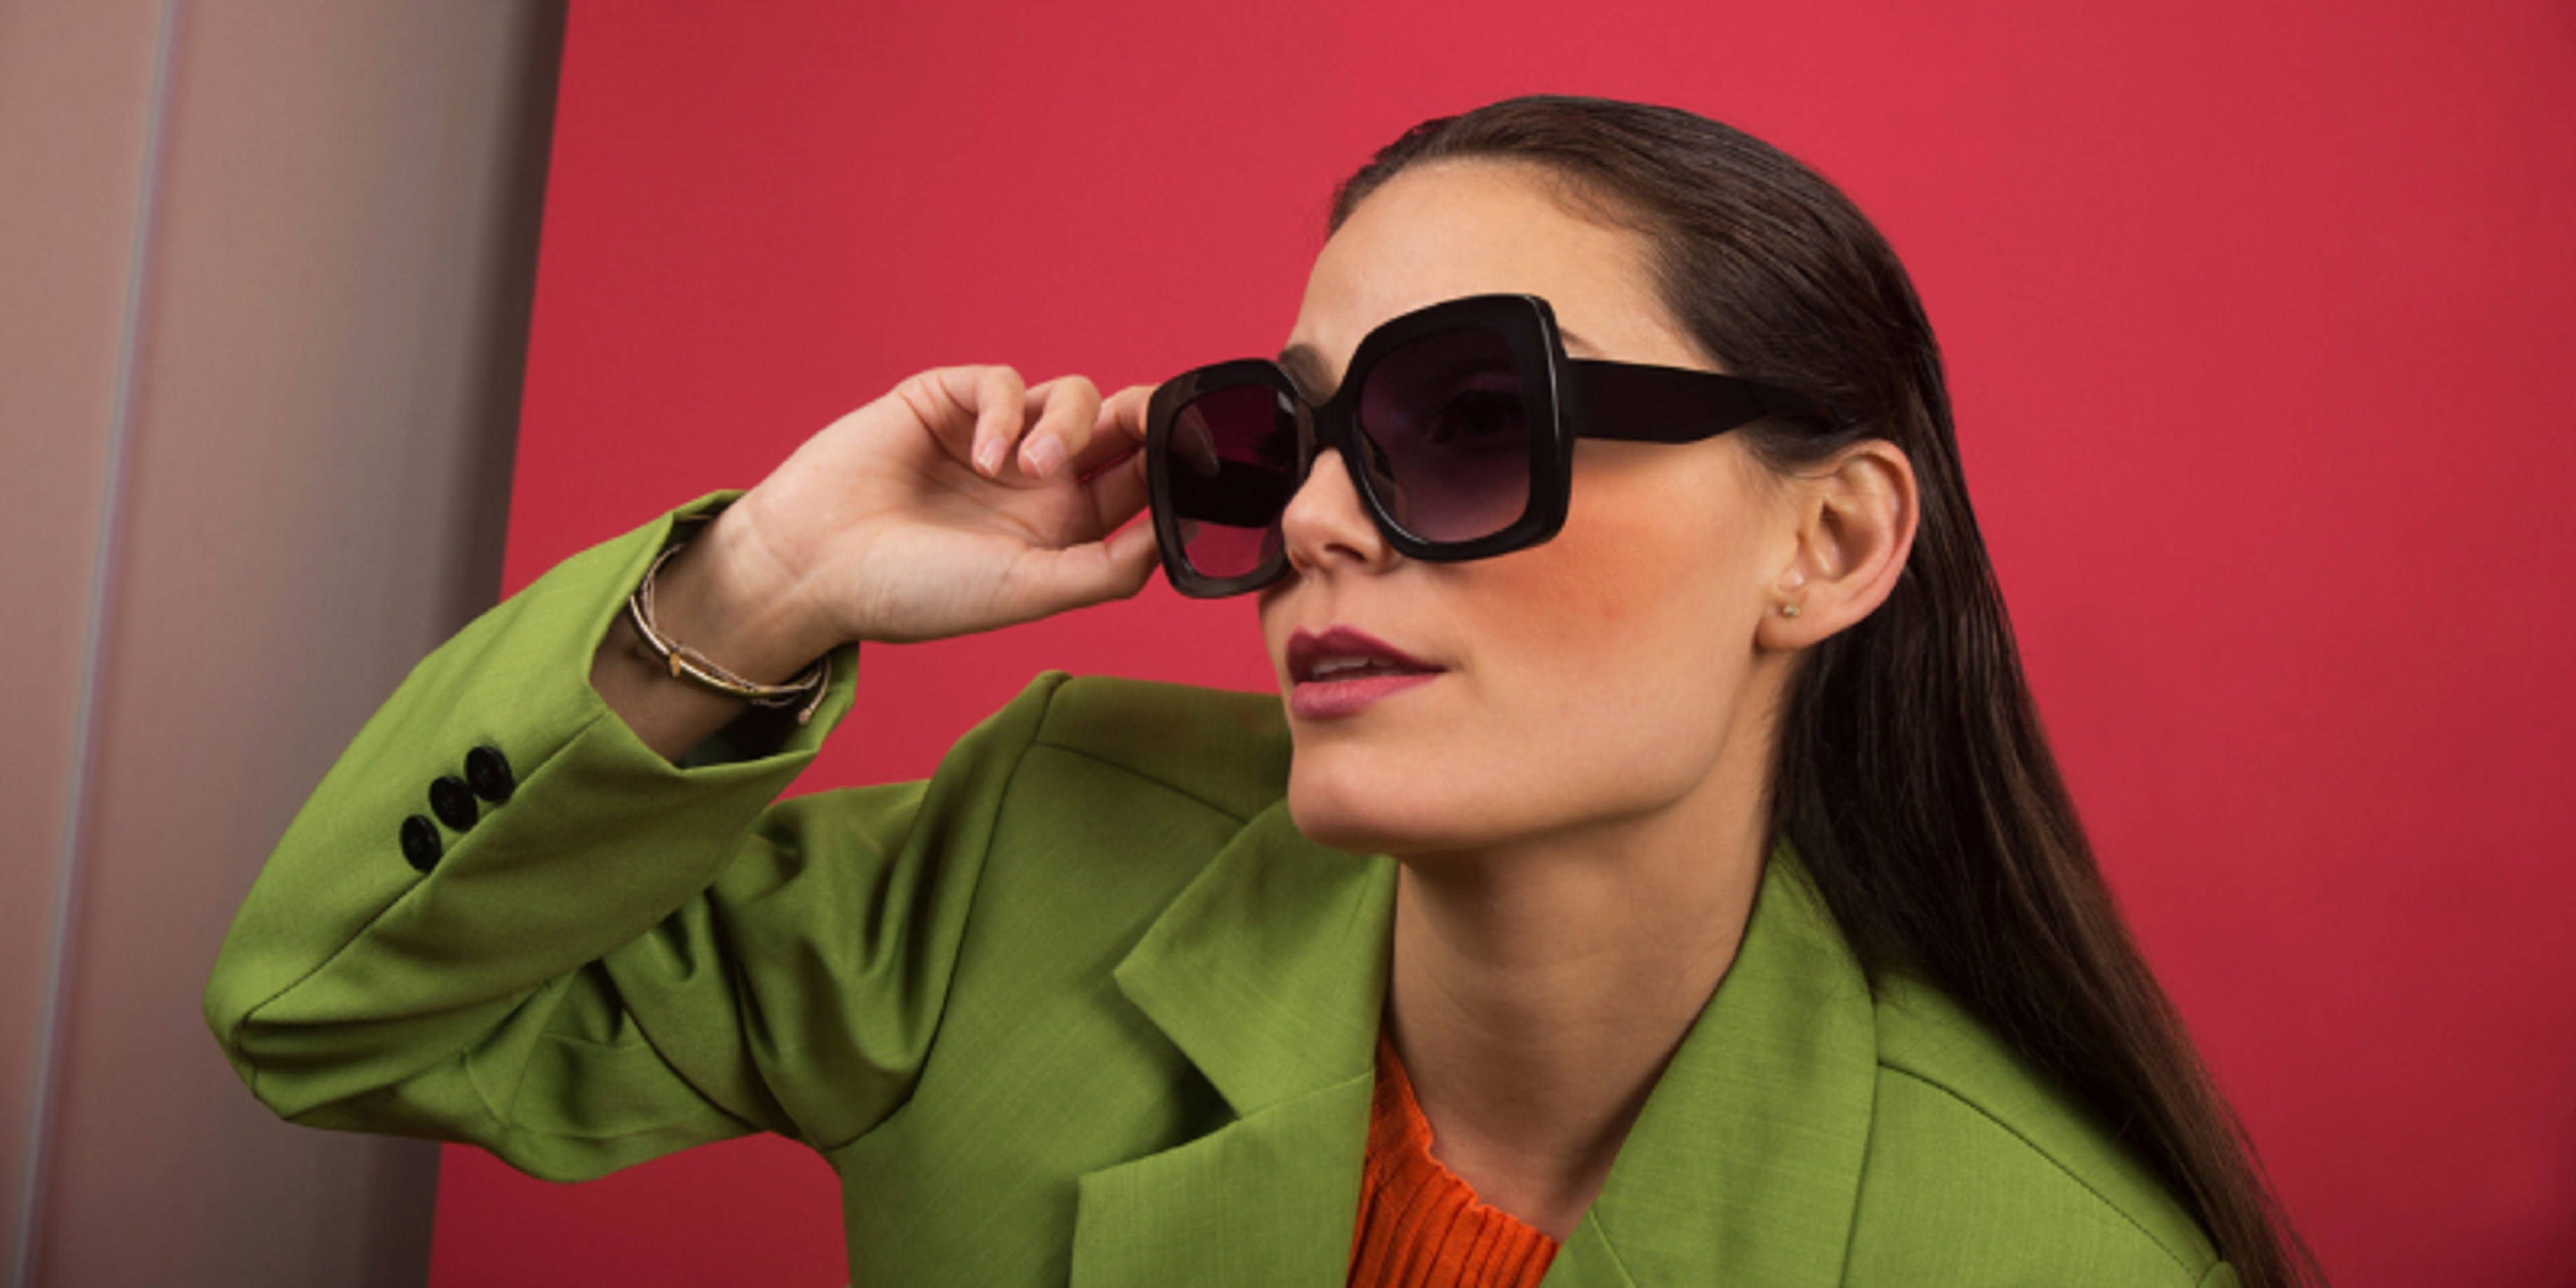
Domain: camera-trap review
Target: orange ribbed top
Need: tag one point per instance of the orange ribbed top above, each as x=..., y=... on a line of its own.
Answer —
x=1421, y=1226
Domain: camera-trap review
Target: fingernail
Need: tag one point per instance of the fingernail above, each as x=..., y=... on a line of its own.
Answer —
x=1040, y=458
x=988, y=456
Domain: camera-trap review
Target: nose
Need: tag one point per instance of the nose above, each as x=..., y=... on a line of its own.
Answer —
x=1326, y=527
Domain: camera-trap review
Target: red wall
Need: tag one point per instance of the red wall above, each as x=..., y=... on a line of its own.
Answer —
x=2259, y=321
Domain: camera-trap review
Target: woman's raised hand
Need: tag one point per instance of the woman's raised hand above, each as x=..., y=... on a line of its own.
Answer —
x=960, y=502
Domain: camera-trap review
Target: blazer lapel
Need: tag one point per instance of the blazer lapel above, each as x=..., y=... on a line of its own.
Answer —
x=1268, y=973
x=1744, y=1167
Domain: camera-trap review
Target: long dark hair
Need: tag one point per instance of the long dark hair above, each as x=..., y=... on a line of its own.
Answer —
x=1912, y=772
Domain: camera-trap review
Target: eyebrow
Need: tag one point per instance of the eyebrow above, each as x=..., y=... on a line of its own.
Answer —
x=1304, y=366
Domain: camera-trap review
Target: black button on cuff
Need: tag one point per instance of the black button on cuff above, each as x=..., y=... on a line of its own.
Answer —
x=452, y=802
x=487, y=771
x=420, y=844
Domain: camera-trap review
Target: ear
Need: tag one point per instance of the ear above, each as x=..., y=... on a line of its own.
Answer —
x=1855, y=516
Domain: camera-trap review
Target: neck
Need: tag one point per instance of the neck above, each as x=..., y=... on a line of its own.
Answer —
x=1539, y=989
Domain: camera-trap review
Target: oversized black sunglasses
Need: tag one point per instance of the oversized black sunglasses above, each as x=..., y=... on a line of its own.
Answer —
x=1456, y=422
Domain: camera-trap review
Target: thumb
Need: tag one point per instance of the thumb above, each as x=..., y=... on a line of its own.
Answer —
x=1056, y=581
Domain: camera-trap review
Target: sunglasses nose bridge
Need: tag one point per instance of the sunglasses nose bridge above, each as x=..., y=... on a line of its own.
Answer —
x=1321, y=428
x=1335, y=427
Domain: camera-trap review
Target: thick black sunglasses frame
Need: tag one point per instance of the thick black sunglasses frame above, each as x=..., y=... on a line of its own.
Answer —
x=1564, y=398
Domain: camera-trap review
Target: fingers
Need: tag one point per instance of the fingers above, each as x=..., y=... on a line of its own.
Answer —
x=1119, y=429
x=999, y=413
x=1062, y=414
x=974, y=412
x=986, y=416
x=1075, y=433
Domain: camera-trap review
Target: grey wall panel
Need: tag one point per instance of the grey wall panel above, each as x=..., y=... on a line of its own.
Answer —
x=75, y=108
x=331, y=330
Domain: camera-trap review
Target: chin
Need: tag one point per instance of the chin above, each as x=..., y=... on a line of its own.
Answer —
x=1327, y=818
x=1368, y=818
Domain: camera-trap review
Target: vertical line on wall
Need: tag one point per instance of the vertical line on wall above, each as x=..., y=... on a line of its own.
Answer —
x=84, y=751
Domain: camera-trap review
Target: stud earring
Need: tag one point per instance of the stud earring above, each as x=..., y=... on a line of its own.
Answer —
x=1788, y=610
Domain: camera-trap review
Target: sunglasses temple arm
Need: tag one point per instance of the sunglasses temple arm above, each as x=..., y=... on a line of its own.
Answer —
x=1627, y=402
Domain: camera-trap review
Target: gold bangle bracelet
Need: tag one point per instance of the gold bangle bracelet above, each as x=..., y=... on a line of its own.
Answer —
x=804, y=692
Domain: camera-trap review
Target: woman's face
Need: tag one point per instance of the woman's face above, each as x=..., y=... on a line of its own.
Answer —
x=1607, y=676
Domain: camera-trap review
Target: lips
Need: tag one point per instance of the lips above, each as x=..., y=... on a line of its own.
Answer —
x=1342, y=671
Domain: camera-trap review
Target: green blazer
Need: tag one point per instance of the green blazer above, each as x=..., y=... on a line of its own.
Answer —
x=1082, y=1008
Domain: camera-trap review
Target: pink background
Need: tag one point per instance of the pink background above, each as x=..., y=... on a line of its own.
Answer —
x=2258, y=320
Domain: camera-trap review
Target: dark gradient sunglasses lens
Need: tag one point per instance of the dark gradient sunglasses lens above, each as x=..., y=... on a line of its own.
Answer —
x=1445, y=440
x=1233, y=466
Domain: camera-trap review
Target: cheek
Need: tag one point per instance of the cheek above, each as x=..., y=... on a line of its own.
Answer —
x=1608, y=567
x=1637, y=578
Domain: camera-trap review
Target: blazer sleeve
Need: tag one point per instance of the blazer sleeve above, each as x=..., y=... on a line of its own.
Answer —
x=622, y=958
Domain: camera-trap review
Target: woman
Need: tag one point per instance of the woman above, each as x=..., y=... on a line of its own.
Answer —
x=1740, y=928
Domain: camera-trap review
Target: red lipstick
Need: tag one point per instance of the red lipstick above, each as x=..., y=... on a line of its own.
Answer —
x=1341, y=671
